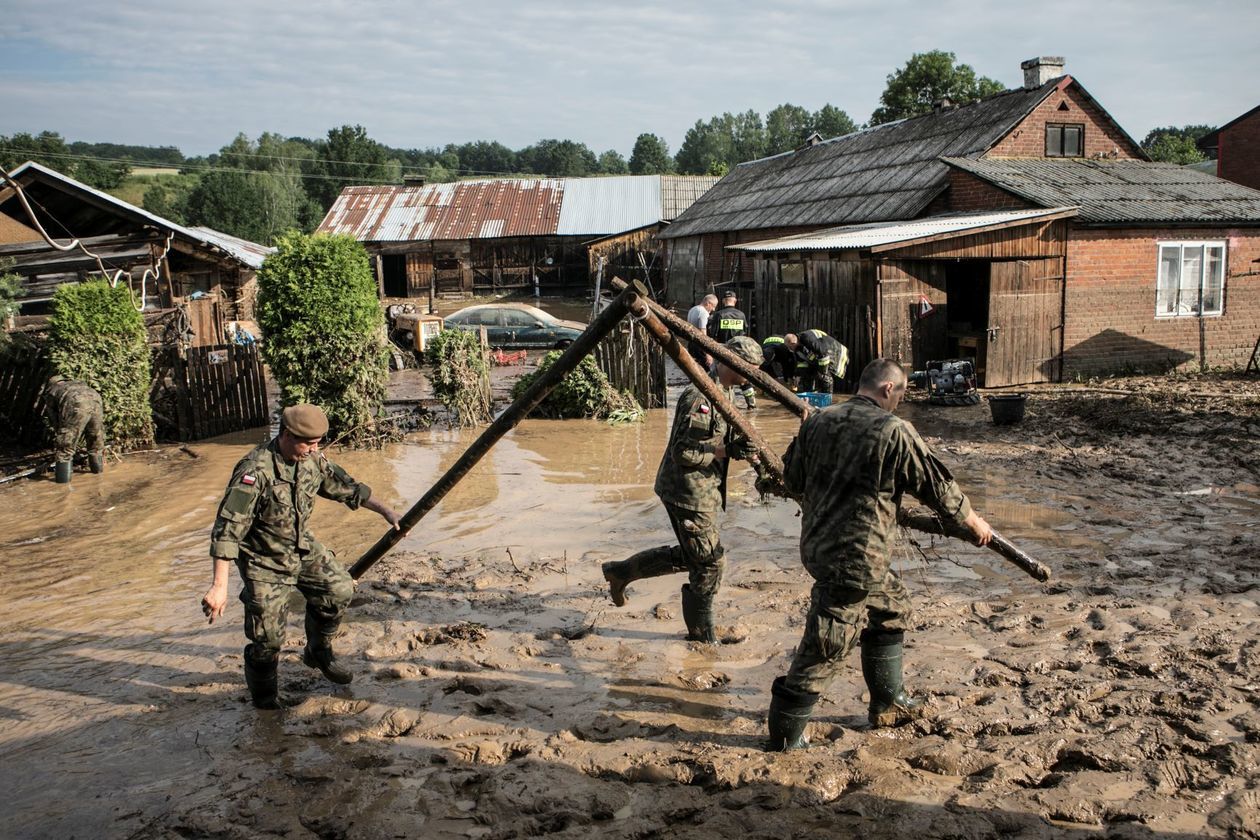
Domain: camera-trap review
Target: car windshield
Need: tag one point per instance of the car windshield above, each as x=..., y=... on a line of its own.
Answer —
x=518, y=318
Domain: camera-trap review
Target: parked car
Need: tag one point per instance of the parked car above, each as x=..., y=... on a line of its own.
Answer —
x=516, y=325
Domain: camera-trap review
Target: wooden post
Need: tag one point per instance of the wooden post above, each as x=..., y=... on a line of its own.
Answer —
x=520, y=408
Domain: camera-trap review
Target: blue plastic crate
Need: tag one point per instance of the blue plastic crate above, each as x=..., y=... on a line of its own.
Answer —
x=816, y=398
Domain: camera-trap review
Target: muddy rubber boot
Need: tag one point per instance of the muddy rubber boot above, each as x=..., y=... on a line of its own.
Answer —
x=698, y=614
x=790, y=711
x=62, y=471
x=881, y=668
x=96, y=462
x=750, y=397
x=653, y=562
x=323, y=658
x=261, y=679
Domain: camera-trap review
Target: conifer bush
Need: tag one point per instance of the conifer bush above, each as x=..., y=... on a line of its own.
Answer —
x=583, y=392
x=98, y=337
x=324, y=331
x=461, y=376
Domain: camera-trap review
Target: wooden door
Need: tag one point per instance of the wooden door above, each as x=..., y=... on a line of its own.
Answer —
x=1025, y=327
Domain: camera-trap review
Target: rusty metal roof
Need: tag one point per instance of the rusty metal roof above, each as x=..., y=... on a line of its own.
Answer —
x=876, y=234
x=509, y=207
x=1120, y=191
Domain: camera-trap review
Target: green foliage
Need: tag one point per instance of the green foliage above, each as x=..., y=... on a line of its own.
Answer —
x=103, y=175
x=98, y=337
x=324, y=331
x=558, y=159
x=461, y=375
x=926, y=79
x=10, y=293
x=713, y=147
x=348, y=157
x=168, y=196
x=584, y=392
x=650, y=156
x=612, y=163
x=1172, y=144
x=46, y=148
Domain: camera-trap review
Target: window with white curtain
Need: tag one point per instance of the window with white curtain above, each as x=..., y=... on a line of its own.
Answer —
x=1191, y=279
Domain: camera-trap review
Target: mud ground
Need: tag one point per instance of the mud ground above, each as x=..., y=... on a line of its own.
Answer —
x=500, y=694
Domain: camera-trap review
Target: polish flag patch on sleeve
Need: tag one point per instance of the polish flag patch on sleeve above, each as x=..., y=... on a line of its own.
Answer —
x=247, y=479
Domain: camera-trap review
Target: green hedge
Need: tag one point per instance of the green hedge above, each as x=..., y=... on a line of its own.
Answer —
x=583, y=392
x=324, y=331
x=98, y=337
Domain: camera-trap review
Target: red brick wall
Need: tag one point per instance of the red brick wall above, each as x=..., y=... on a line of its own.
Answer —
x=1102, y=138
x=1110, y=322
x=967, y=192
x=1238, y=158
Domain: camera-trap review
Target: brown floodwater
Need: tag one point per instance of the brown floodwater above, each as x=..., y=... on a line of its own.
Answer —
x=113, y=690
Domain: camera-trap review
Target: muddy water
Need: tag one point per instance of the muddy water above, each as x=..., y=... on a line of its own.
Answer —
x=124, y=714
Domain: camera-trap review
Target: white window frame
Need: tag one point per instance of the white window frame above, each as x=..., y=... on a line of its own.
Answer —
x=1181, y=310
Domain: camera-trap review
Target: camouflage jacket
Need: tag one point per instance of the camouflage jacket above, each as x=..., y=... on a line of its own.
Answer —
x=817, y=349
x=727, y=323
x=690, y=476
x=68, y=399
x=263, y=520
x=852, y=463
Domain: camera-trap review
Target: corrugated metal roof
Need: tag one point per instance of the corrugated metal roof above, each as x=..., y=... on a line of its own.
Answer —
x=249, y=253
x=507, y=207
x=875, y=234
x=883, y=173
x=1110, y=191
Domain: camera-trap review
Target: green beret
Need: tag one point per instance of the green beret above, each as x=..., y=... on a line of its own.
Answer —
x=747, y=349
x=305, y=421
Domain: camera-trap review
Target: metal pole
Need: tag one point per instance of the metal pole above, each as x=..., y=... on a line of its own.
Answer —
x=520, y=408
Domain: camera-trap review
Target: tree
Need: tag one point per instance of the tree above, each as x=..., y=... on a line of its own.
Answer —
x=612, y=163
x=325, y=331
x=926, y=79
x=830, y=121
x=46, y=148
x=787, y=126
x=1172, y=144
x=706, y=147
x=484, y=158
x=101, y=174
x=748, y=136
x=650, y=156
x=559, y=159
x=168, y=197
x=348, y=157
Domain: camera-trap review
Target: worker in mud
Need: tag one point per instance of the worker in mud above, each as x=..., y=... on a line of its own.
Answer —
x=262, y=526
x=820, y=360
x=780, y=361
x=74, y=410
x=691, y=483
x=727, y=323
x=851, y=463
x=698, y=317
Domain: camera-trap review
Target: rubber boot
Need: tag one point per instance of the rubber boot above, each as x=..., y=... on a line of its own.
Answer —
x=698, y=614
x=260, y=678
x=881, y=667
x=96, y=462
x=62, y=471
x=750, y=396
x=790, y=711
x=653, y=562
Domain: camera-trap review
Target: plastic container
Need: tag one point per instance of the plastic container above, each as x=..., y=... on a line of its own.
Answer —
x=1007, y=409
x=815, y=398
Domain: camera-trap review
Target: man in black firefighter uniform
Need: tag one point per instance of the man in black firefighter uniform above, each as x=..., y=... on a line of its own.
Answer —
x=820, y=360
x=727, y=323
x=780, y=361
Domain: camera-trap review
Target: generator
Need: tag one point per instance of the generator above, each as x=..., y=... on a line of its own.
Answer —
x=948, y=382
x=411, y=329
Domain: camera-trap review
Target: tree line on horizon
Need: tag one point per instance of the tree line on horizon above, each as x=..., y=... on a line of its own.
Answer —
x=258, y=189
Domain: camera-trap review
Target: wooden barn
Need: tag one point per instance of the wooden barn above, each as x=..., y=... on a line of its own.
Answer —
x=1027, y=231
x=492, y=235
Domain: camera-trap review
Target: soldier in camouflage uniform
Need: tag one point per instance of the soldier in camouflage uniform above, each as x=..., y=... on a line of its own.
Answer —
x=691, y=483
x=262, y=526
x=74, y=410
x=851, y=463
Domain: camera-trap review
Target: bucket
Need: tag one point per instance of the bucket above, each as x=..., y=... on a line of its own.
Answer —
x=1007, y=409
x=815, y=398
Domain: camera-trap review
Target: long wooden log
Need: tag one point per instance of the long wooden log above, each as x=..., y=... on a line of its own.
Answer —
x=520, y=408
x=752, y=373
x=647, y=310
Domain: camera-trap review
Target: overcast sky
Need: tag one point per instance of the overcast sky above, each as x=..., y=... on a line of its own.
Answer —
x=419, y=74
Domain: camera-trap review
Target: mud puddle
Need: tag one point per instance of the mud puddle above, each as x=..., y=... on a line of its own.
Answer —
x=500, y=694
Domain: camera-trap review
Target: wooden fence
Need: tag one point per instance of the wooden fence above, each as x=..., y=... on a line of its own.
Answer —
x=24, y=368
x=214, y=390
x=634, y=362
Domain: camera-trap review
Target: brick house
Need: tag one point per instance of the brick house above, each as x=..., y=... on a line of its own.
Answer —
x=1027, y=230
x=1235, y=147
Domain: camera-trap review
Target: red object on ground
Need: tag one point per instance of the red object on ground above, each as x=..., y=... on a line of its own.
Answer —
x=498, y=357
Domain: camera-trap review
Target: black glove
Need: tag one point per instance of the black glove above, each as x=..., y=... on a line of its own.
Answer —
x=740, y=448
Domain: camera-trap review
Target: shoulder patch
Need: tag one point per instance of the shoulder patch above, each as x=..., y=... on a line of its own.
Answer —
x=247, y=479
x=703, y=409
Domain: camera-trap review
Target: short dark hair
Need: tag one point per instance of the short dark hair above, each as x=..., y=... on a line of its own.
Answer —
x=880, y=371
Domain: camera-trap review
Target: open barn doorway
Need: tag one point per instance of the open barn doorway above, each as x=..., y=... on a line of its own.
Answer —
x=967, y=312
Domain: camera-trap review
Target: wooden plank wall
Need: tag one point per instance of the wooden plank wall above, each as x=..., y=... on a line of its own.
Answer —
x=684, y=273
x=907, y=338
x=621, y=258
x=419, y=270
x=24, y=368
x=634, y=362
x=219, y=389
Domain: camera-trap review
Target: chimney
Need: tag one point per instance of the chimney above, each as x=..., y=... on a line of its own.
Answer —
x=1038, y=71
x=413, y=179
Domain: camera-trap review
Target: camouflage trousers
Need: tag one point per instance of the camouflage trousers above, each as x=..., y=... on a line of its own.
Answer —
x=82, y=417
x=837, y=615
x=699, y=552
x=323, y=582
